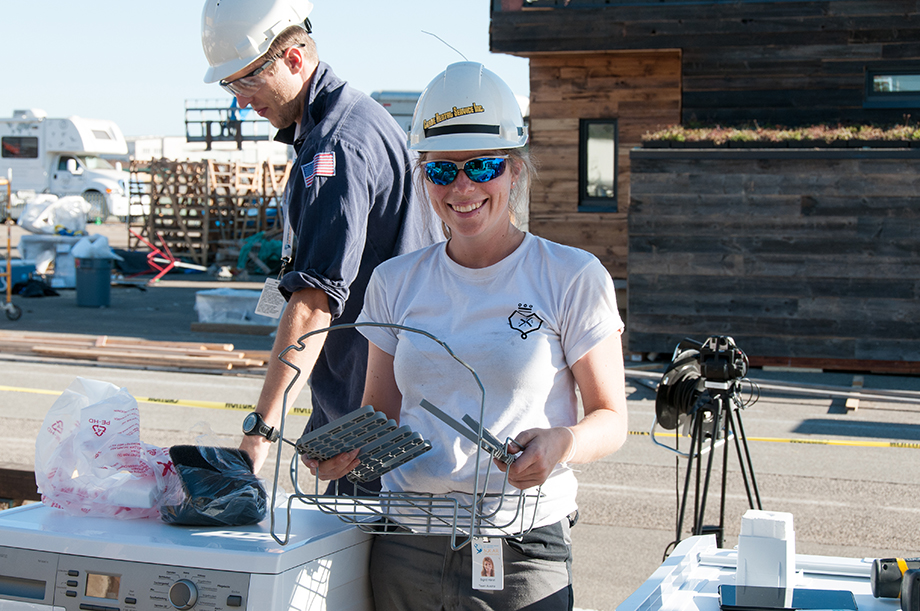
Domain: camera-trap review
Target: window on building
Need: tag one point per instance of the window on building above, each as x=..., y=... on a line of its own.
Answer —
x=19, y=147
x=892, y=89
x=597, y=171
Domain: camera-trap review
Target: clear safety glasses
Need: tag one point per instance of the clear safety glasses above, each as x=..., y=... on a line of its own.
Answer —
x=481, y=169
x=246, y=86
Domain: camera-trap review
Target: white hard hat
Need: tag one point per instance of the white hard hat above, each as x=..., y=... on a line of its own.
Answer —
x=467, y=108
x=234, y=33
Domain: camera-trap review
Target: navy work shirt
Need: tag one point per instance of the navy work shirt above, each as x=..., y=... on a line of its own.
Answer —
x=351, y=208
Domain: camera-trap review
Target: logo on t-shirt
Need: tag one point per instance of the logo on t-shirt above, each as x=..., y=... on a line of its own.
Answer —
x=524, y=320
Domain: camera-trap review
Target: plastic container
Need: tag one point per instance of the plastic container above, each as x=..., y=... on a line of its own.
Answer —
x=766, y=551
x=230, y=306
x=94, y=282
x=20, y=271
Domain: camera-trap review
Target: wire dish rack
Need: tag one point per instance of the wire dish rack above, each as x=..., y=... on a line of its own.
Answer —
x=385, y=446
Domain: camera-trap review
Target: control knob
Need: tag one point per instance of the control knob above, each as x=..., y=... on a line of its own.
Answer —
x=183, y=594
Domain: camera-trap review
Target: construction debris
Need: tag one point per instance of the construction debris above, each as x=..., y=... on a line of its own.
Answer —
x=132, y=351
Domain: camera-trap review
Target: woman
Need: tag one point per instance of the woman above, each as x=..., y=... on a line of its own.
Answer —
x=533, y=318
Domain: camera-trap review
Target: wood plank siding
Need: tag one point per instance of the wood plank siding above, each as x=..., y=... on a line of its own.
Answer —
x=639, y=89
x=797, y=254
x=772, y=61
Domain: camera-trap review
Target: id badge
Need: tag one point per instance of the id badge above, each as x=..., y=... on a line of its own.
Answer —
x=271, y=301
x=488, y=573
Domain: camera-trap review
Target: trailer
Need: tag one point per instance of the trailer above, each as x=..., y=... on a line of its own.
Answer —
x=63, y=157
x=400, y=104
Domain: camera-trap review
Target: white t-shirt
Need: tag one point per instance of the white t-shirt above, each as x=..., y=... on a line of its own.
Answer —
x=520, y=325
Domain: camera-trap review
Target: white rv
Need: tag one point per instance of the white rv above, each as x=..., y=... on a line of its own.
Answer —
x=62, y=157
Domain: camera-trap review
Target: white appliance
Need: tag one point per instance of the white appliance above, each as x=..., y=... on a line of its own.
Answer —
x=690, y=578
x=52, y=560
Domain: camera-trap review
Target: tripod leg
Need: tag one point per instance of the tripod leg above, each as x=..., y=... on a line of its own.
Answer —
x=726, y=431
x=696, y=429
x=717, y=422
x=745, y=461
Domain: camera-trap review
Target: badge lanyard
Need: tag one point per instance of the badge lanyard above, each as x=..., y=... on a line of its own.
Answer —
x=287, y=235
x=271, y=301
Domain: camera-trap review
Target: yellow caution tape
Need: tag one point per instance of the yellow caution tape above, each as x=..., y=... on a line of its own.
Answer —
x=297, y=411
x=302, y=411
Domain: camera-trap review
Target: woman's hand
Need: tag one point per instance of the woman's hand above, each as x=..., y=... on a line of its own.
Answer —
x=539, y=451
x=336, y=467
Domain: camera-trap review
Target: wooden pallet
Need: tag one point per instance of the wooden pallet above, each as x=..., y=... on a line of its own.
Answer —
x=196, y=208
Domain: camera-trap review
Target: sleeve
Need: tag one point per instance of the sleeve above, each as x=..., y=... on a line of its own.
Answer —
x=377, y=310
x=590, y=311
x=330, y=203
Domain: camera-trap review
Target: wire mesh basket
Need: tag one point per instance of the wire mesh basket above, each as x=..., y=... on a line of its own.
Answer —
x=461, y=515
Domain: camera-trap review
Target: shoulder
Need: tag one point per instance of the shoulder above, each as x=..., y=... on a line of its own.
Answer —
x=403, y=266
x=570, y=257
x=570, y=270
x=352, y=116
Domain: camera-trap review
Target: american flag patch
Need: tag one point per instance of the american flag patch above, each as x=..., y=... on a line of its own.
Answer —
x=323, y=164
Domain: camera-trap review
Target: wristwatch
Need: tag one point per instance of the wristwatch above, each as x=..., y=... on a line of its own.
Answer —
x=254, y=425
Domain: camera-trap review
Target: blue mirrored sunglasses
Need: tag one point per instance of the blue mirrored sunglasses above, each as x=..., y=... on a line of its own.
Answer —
x=481, y=169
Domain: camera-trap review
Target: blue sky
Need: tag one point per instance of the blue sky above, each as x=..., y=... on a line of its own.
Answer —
x=137, y=62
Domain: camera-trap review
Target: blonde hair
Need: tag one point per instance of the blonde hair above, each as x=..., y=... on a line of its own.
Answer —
x=521, y=161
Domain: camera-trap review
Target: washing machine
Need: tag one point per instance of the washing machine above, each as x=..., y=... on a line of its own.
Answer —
x=52, y=560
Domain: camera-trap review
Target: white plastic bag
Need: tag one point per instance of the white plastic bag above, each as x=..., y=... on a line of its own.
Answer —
x=94, y=247
x=46, y=214
x=89, y=459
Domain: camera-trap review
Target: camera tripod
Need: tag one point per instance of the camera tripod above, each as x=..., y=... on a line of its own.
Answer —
x=721, y=407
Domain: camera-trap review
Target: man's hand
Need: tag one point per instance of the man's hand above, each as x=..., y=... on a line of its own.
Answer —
x=336, y=467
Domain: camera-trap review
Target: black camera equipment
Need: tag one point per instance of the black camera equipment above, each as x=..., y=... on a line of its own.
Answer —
x=701, y=390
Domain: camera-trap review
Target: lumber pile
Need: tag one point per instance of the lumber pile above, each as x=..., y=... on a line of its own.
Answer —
x=132, y=351
x=198, y=208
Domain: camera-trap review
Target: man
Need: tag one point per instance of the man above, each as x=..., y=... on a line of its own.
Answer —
x=349, y=197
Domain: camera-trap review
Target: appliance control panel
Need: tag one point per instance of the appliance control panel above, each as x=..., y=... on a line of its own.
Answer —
x=98, y=584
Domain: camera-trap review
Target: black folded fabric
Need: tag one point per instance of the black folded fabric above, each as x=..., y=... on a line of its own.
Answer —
x=220, y=488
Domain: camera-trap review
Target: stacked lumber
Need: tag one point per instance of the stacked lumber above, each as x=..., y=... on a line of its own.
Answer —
x=131, y=351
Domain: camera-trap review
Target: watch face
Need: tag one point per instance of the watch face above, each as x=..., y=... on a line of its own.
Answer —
x=249, y=424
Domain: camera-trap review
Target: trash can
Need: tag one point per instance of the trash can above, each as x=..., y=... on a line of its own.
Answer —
x=94, y=282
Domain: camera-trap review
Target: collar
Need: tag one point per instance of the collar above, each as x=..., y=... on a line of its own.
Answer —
x=321, y=83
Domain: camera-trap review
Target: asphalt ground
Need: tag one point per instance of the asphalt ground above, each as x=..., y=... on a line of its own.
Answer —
x=845, y=475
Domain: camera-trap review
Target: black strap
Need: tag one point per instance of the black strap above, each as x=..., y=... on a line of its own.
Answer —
x=461, y=129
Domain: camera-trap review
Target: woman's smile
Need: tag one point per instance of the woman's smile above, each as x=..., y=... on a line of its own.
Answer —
x=466, y=207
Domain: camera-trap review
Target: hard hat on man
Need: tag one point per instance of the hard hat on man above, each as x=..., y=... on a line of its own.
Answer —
x=235, y=33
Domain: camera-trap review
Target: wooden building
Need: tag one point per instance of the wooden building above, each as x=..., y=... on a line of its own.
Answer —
x=605, y=72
